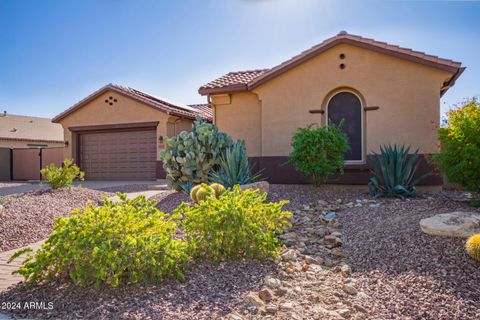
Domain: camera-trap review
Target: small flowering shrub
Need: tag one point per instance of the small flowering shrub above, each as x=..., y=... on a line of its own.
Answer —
x=63, y=176
x=459, y=159
x=126, y=242
x=237, y=224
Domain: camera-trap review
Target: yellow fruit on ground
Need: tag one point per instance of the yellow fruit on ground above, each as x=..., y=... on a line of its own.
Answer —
x=218, y=188
x=473, y=246
x=193, y=192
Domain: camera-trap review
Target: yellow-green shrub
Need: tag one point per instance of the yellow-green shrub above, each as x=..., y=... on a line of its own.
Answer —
x=126, y=242
x=237, y=224
x=63, y=176
x=473, y=246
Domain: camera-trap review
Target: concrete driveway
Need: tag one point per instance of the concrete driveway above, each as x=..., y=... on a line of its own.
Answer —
x=7, y=188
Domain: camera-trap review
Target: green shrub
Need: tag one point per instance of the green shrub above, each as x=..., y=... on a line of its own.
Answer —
x=233, y=167
x=237, y=224
x=319, y=151
x=459, y=159
x=190, y=156
x=393, y=172
x=126, y=242
x=63, y=176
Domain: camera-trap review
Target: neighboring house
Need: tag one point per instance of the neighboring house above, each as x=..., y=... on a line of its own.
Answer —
x=385, y=93
x=116, y=133
x=29, y=132
x=26, y=144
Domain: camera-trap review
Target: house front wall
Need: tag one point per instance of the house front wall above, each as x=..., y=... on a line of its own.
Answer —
x=407, y=94
x=240, y=115
x=124, y=111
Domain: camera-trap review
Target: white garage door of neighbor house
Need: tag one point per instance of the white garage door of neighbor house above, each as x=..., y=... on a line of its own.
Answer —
x=121, y=155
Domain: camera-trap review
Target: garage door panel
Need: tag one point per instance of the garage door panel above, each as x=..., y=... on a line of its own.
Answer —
x=119, y=155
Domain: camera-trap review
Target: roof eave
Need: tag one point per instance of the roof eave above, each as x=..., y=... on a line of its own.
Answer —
x=452, y=80
x=31, y=140
x=228, y=89
x=284, y=67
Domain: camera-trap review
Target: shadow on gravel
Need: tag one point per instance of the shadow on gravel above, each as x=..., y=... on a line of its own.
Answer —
x=209, y=292
x=168, y=201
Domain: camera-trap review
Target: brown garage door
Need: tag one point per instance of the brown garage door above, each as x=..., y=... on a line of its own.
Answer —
x=126, y=155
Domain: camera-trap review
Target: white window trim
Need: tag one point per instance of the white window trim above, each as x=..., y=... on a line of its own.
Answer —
x=362, y=113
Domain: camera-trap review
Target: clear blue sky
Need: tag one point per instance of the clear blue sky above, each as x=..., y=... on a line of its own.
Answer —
x=54, y=53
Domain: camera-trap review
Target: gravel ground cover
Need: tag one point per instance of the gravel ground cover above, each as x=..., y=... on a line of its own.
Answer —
x=28, y=217
x=127, y=188
x=169, y=200
x=398, y=273
x=408, y=274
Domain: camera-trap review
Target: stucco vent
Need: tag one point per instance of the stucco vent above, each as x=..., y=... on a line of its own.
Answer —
x=342, y=56
x=111, y=100
x=342, y=66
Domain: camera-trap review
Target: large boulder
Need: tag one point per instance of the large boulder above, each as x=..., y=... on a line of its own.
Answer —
x=452, y=224
x=263, y=186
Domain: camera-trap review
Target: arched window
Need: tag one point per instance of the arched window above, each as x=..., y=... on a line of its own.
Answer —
x=347, y=106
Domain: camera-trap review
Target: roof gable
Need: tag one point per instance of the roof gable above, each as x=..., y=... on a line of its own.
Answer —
x=168, y=107
x=248, y=80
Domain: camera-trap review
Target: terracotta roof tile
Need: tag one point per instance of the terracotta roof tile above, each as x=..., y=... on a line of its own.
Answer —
x=234, y=78
x=204, y=109
x=246, y=80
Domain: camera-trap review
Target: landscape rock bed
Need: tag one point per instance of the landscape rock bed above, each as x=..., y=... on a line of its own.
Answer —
x=348, y=256
x=28, y=217
x=210, y=292
x=408, y=274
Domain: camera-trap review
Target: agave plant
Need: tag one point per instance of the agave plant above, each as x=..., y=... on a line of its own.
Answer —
x=233, y=167
x=394, y=171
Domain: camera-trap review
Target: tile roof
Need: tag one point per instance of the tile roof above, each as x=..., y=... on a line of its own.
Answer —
x=17, y=127
x=246, y=80
x=204, y=109
x=161, y=104
x=234, y=78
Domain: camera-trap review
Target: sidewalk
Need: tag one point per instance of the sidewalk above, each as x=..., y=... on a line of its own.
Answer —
x=96, y=185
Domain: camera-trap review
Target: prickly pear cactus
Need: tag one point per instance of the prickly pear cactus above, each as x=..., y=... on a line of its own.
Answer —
x=190, y=156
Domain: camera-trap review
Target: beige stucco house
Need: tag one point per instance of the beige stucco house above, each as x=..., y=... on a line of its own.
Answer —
x=385, y=93
x=117, y=132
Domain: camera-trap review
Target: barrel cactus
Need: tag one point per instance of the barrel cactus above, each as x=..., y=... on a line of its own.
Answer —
x=190, y=156
x=218, y=188
x=473, y=246
x=201, y=191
